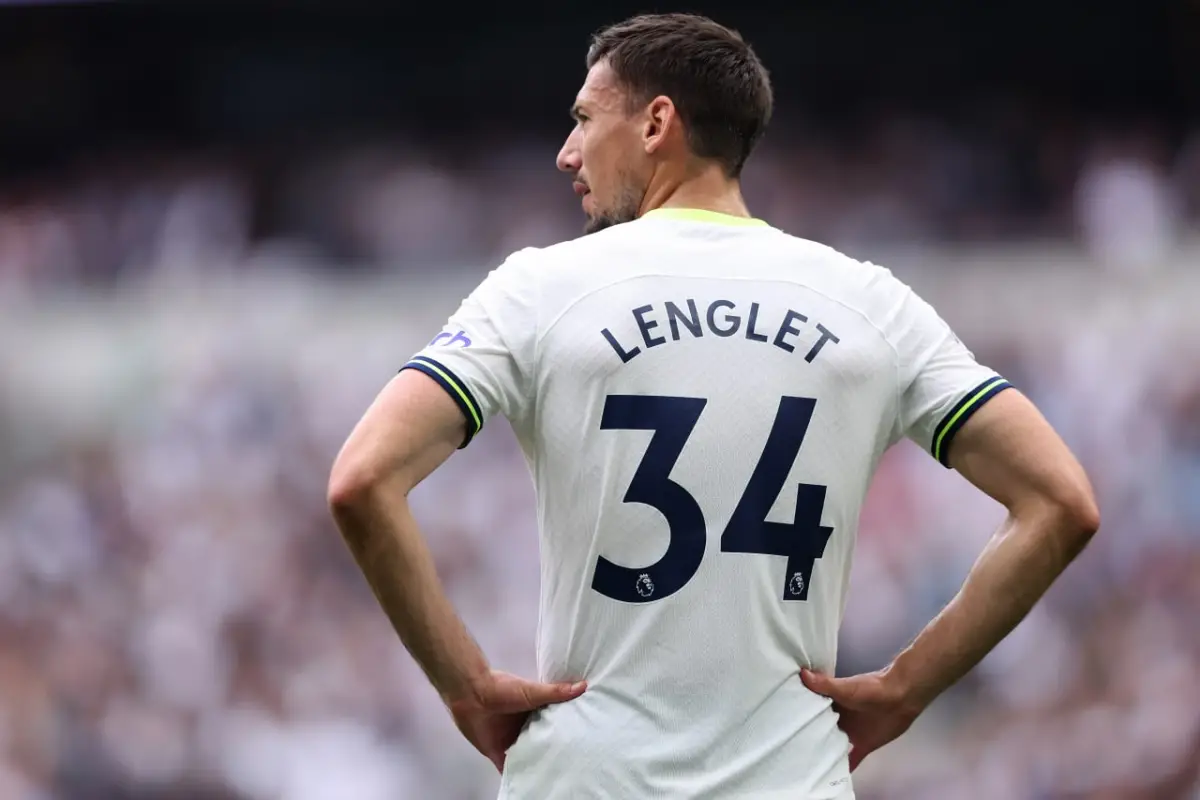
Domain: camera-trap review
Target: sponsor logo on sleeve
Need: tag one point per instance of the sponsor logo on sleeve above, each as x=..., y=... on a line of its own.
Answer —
x=448, y=339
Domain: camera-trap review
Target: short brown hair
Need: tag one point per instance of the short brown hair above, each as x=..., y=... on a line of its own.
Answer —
x=721, y=90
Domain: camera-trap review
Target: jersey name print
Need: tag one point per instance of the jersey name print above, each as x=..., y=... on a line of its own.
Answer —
x=722, y=319
x=702, y=403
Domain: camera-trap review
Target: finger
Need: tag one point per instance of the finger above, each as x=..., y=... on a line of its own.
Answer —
x=544, y=694
x=530, y=695
x=820, y=683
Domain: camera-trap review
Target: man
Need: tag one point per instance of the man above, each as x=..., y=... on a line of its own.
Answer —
x=702, y=400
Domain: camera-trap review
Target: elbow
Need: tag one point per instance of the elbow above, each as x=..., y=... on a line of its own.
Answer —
x=1087, y=518
x=1078, y=516
x=353, y=482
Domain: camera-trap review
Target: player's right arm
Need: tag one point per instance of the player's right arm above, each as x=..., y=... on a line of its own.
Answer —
x=472, y=370
x=970, y=419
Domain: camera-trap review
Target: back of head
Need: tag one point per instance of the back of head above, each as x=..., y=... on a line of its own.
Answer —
x=720, y=89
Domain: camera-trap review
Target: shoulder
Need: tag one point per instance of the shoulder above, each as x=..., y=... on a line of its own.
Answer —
x=585, y=246
x=865, y=277
x=543, y=272
x=532, y=282
x=871, y=290
x=514, y=280
x=902, y=320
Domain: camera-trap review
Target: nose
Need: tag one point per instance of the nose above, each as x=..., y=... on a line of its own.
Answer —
x=569, y=158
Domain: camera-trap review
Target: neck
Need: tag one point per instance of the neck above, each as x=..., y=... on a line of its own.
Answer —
x=707, y=188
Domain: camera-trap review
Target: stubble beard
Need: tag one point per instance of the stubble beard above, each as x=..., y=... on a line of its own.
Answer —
x=624, y=210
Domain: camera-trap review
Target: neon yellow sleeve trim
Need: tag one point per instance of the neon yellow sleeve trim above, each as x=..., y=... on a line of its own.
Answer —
x=458, y=390
x=948, y=425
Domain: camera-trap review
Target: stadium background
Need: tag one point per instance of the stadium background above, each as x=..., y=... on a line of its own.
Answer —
x=222, y=229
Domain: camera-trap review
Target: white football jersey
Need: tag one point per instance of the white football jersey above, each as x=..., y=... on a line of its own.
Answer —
x=702, y=400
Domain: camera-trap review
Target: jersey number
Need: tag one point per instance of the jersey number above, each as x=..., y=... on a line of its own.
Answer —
x=802, y=541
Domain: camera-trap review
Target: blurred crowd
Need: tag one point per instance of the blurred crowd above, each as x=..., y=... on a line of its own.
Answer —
x=179, y=619
x=1128, y=192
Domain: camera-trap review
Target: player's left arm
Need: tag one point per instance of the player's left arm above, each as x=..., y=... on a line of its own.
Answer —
x=1009, y=451
x=972, y=420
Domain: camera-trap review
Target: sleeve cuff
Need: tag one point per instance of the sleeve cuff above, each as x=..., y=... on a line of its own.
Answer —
x=454, y=387
x=972, y=401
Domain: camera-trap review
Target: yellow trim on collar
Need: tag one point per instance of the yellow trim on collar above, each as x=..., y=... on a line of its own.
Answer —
x=703, y=215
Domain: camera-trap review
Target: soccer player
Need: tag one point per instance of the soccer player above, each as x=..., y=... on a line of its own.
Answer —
x=702, y=400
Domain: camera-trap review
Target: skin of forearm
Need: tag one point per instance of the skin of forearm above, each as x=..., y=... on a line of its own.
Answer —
x=384, y=538
x=1012, y=573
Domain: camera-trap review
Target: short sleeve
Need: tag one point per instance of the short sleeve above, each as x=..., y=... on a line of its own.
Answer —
x=483, y=357
x=941, y=383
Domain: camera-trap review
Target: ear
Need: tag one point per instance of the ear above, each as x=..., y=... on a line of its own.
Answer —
x=661, y=123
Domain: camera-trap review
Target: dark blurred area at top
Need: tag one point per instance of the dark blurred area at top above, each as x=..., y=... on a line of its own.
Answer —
x=895, y=121
x=81, y=77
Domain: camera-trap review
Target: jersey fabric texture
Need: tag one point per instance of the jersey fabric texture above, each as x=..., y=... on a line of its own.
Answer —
x=702, y=401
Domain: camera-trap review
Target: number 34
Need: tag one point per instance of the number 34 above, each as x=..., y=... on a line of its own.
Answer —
x=672, y=419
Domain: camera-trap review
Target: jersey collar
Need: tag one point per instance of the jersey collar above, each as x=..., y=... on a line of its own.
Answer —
x=703, y=215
